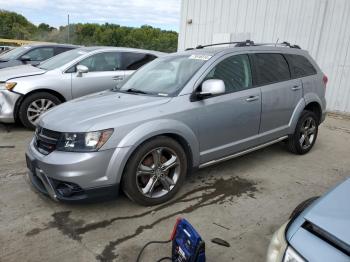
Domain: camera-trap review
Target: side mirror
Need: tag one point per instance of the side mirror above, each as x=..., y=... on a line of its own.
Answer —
x=211, y=87
x=25, y=58
x=81, y=69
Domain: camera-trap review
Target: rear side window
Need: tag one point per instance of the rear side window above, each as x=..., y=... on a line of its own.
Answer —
x=40, y=53
x=300, y=66
x=133, y=61
x=270, y=68
x=60, y=50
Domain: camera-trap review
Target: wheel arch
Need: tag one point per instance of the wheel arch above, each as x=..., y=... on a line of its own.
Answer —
x=315, y=107
x=170, y=128
x=179, y=139
x=42, y=90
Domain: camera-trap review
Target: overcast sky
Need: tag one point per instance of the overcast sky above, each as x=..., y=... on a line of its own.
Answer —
x=158, y=13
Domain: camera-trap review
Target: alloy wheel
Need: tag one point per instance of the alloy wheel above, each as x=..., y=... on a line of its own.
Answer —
x=37, y=107
x=307, y=133
x=158, y=172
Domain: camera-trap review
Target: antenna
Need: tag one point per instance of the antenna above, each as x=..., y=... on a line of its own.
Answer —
x=277, y=41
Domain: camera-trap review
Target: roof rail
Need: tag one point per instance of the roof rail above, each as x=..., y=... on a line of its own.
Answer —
x=285, y=44
x=247, y=43
x=241, y=43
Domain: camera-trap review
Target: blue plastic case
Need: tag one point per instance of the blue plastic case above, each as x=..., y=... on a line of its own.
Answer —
x=187, y=244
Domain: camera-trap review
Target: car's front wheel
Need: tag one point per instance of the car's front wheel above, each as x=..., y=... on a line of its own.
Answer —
x=155, y=171
x=34, y=105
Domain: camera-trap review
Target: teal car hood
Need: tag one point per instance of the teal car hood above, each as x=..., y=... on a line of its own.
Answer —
x=332, y=212
x=322, y=231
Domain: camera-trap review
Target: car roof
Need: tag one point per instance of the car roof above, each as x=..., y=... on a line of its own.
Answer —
x=51, y=44
x=125, y=49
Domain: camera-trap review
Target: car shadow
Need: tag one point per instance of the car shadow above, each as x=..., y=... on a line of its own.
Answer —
x=8, y=128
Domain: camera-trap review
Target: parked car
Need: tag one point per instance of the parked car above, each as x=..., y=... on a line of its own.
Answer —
x=32, y=54
x=5, y=48
x=180, y=112
x=318, y=230
x=26, y=91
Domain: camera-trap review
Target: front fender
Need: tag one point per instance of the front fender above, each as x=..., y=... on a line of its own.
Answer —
x=49, y=82
x=23, y=87
x=160, y=127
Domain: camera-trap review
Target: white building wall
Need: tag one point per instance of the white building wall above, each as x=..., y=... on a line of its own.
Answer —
x=320, y=26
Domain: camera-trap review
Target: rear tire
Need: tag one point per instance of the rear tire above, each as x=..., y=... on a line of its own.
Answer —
x=305, y=134
x=34, y=105
x=155, y=171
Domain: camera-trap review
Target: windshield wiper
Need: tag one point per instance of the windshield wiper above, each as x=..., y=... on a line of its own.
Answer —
x=136, y=91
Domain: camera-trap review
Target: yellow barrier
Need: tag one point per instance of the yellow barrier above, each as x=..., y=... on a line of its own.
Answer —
x=20, y=42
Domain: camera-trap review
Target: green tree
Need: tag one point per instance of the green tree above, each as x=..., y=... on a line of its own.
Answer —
x=13, y=25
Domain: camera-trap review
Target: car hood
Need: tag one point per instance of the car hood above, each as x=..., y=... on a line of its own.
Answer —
x=332, y=212
x=88, y=112
x=19, y=71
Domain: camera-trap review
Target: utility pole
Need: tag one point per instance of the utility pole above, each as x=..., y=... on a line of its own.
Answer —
x=68, y=29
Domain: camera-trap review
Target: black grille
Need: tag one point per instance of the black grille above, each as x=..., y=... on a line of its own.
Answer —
x=46, y=140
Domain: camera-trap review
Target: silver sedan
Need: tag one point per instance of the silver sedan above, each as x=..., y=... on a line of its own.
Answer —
x=27, y=91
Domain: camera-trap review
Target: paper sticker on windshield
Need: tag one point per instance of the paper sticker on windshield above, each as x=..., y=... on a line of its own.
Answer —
x=200, y=57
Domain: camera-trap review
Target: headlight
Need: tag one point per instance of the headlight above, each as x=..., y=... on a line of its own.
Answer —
x=10, y=85
x=292, y=256
x=83, y=142
x=277, y=245
x=278, y=249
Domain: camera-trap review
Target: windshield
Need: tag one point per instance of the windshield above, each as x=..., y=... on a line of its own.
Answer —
x=164, y=76
x=13, y=54
x=61, y=59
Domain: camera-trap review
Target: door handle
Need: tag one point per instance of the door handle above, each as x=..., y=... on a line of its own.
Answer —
x=296, y=87
x=252, y=98
x=117, y=78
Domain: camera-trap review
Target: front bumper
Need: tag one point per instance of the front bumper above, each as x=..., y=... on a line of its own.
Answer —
x=279, y=249
x=48, y=186
x=69, y=176
x=8, y=101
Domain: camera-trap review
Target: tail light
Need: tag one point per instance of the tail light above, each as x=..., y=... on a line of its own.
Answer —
x=325, y=80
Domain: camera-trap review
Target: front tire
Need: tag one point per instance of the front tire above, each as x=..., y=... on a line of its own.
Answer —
x=155, y=171
x=305, y=134
x=34, y=105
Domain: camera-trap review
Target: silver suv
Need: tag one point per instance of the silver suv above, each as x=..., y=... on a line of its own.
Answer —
x=181, y=111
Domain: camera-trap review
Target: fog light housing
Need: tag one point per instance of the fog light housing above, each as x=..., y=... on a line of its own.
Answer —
x=66, y=189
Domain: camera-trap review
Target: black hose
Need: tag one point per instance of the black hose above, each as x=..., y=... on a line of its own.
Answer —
x=164, y=258
x=153, y=242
